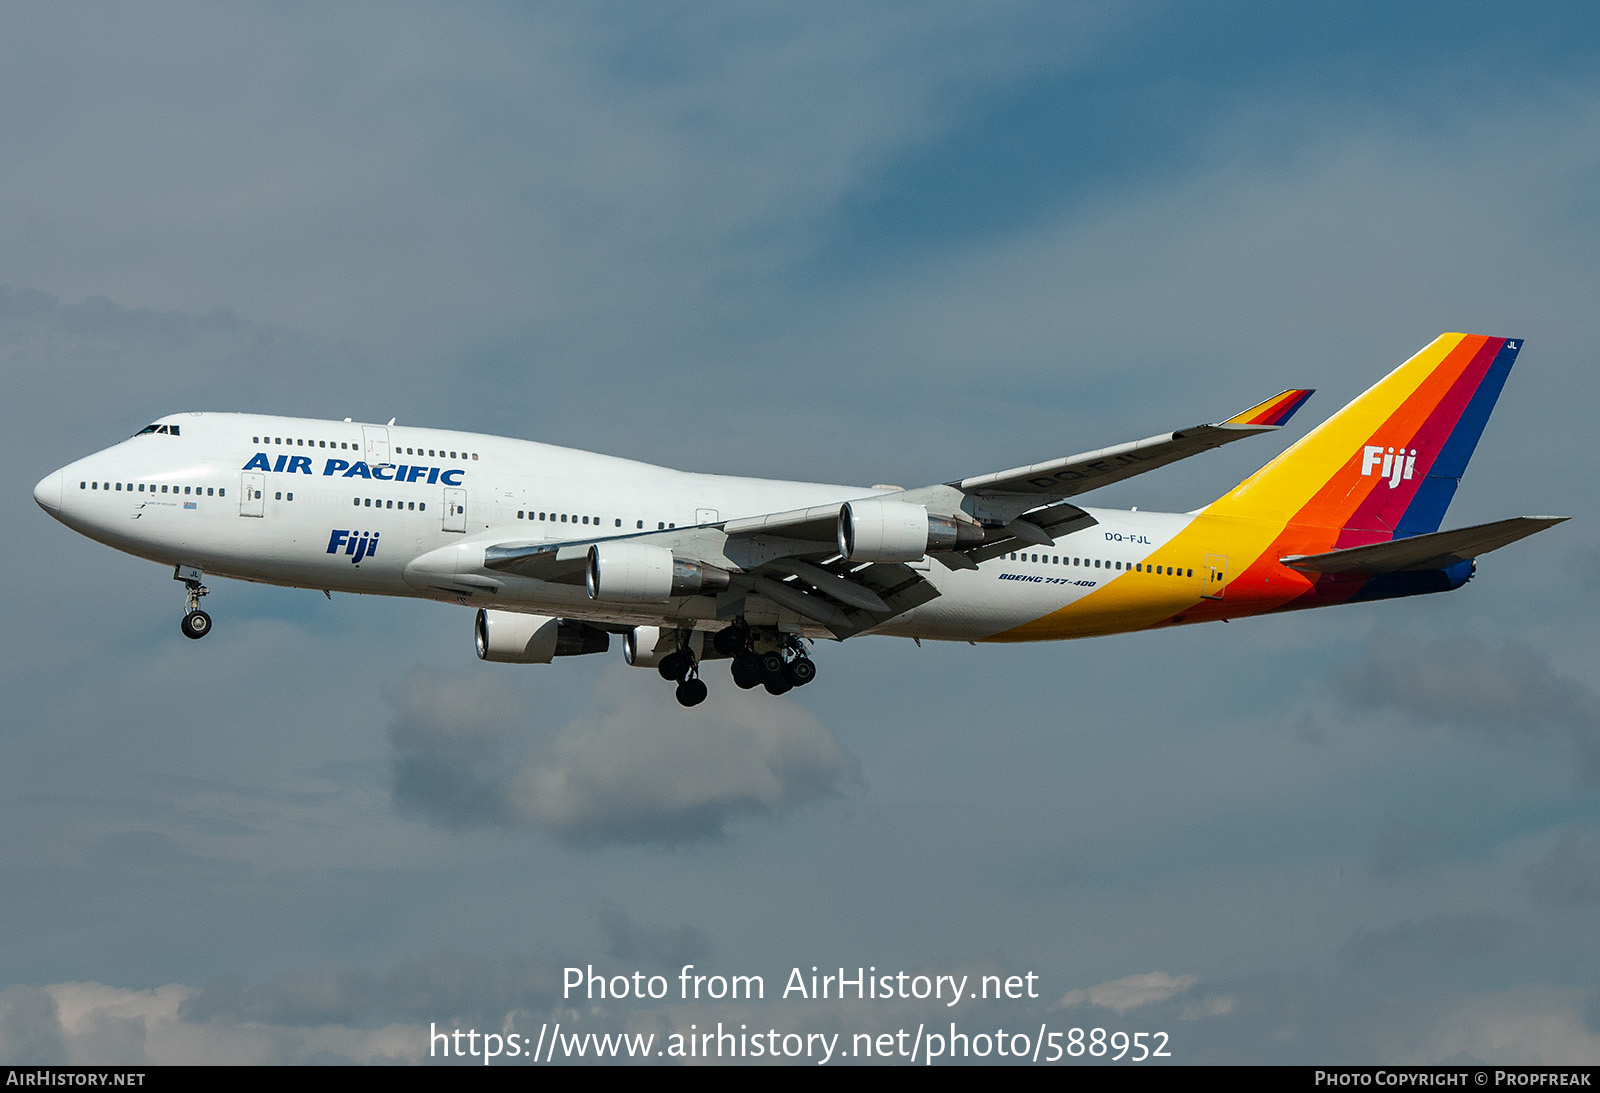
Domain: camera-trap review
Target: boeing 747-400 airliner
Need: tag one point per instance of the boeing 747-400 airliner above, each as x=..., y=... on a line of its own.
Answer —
x=557, y=550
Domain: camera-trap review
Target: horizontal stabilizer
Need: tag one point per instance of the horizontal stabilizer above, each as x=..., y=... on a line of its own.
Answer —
x=1435, y=550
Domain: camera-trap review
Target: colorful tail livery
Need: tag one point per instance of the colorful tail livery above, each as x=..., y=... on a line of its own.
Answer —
x=1382, y=469
x=1350, y=512
x=1388, y=464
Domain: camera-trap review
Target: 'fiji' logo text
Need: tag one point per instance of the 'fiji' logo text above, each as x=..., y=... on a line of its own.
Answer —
x=1397, y=466
x=357, y=544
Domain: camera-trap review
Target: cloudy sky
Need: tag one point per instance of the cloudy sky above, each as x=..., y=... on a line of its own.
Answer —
x=839, y=243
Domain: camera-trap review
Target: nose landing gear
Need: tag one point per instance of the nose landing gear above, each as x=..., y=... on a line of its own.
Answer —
x=196, y=623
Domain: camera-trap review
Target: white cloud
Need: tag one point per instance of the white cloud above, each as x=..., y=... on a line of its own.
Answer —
x=98, y=1025
x=1129, y=992
x=1531, y=1025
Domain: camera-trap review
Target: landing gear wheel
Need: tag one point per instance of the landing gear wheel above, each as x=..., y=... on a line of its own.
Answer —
x=800, y=671
x=747, y=671
x=730, y=642
x=778, y=685
x=675, y=665
x=196, y=624
x=772, y=665
x=691, y=692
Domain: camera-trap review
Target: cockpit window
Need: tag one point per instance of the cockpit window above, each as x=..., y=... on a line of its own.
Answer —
x=147, y=429
x=170, y=430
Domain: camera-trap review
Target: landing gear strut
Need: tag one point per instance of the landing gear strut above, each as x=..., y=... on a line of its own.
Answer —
x=196, y=623
x=682, y=666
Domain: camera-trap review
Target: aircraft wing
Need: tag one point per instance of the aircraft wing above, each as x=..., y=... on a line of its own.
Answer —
x=1057, y=479
x=1435, y=550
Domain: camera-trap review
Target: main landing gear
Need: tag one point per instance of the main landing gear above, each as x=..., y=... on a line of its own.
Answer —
x=682, y=667
x=196, y=623
x=778, y=670
x=761, y=658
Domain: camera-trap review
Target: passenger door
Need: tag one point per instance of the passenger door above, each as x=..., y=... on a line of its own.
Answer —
x=455, y=510
x=252, y=493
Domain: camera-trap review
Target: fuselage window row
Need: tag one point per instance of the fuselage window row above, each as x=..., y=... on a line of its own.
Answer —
x=300, y=442
x=130, y=487
x=574, y=518
x=389, y=503
x=1138, y=567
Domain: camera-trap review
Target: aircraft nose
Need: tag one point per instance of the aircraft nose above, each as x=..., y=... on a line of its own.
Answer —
x=48, y=492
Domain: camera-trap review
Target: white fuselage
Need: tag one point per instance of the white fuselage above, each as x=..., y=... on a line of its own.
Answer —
x=347, y=507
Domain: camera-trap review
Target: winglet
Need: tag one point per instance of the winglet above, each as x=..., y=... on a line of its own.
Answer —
x=1277, y=410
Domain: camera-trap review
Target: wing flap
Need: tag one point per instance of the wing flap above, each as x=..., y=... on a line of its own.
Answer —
x=848, y=592
x=1052, y=522
x=899, y=586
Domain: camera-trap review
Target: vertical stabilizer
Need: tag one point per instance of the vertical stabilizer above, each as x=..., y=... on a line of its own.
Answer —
x=1387, y=465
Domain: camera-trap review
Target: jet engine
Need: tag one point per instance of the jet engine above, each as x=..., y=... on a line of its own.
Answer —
x=622, y=572
x=875, y=530
x=508, y=637
x=648, y=646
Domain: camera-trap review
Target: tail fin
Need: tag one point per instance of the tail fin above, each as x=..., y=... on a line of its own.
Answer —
x=1387, y=465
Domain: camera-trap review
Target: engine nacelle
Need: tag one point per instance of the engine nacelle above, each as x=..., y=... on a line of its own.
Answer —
x=508, y=637
x=874, y=530
x=623, y=572
x=645, y=646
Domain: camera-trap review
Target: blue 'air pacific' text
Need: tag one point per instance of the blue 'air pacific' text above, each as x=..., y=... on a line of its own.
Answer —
x=339, y=468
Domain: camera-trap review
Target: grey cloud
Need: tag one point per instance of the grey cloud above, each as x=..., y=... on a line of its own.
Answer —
x=1569, y=876
x=88, y=1023
x=445, y=986
x=1439, y=940
x=115, y=359
x=1503, y=693
x=642, y=771
x=638, y=769
x=451, y=742
x=30, y=1028
x=630, y=941
x=1400, y=849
